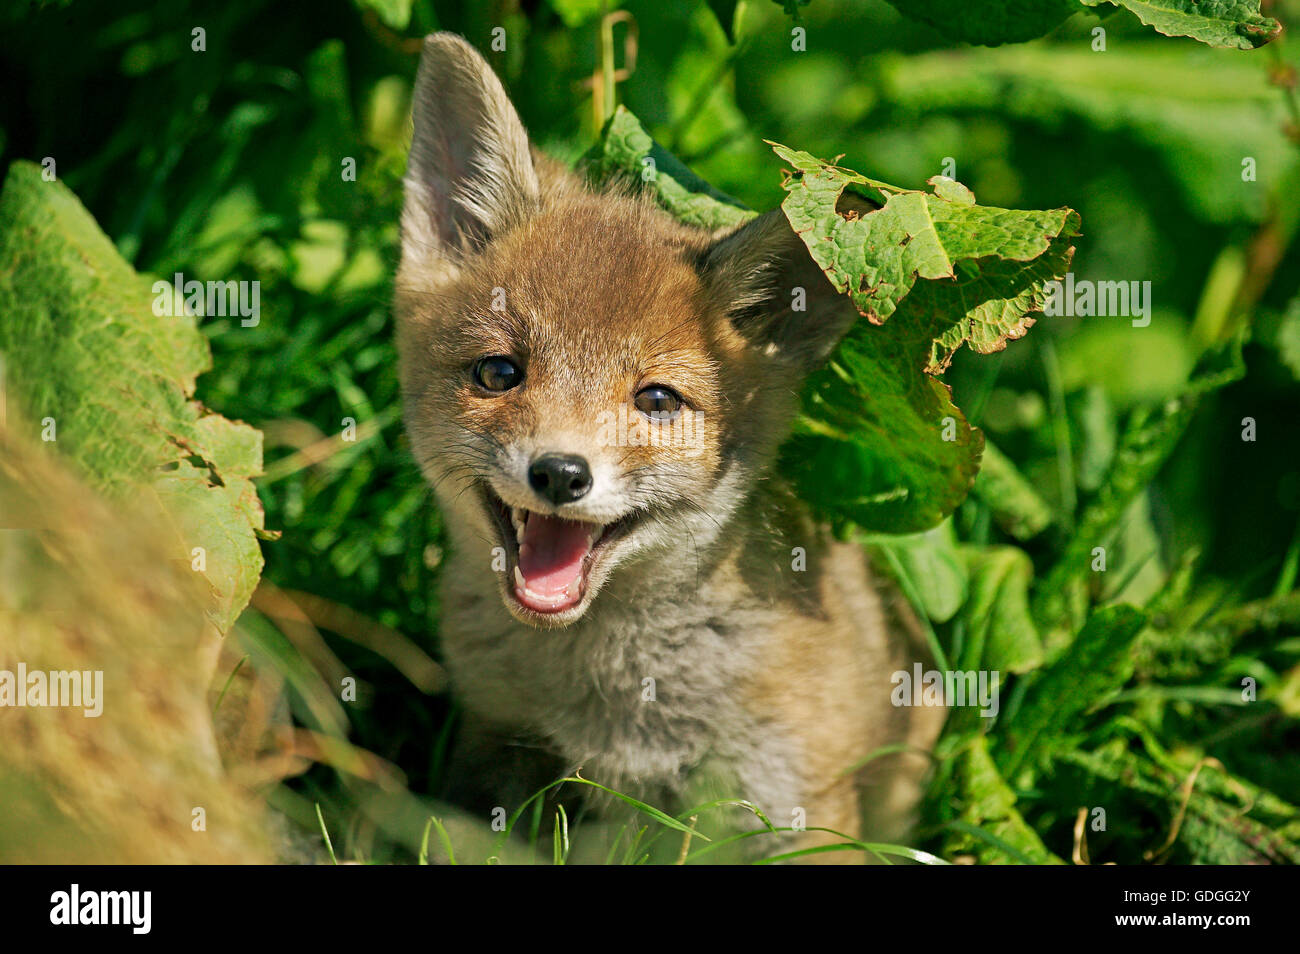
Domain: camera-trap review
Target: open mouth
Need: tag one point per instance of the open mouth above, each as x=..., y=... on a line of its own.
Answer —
x=551, y=559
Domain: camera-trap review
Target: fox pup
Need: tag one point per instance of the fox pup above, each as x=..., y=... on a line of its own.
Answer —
x=596, y=394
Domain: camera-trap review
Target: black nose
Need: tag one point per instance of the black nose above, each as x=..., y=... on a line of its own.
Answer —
x=560, y=478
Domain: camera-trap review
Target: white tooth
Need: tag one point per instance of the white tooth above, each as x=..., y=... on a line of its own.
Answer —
x=539, y=597
x=517, y=519
x=519, y=579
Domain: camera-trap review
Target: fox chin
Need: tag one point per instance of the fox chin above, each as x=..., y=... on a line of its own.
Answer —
x=596, y=393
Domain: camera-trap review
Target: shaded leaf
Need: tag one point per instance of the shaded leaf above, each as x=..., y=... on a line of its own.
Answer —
x=992, y=22
x=1000, y=631
x=84, y=347
x=1015, y=504
x=934, y=566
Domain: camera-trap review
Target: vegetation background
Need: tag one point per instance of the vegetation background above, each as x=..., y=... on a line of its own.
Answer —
x=1124, y=688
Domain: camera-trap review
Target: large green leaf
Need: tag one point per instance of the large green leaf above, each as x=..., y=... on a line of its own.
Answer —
x=84, y=348
x=1237, y=24
x=881, y=442
x=876, y=258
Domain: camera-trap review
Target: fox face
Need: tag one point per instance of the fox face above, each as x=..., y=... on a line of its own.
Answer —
x=587, y=382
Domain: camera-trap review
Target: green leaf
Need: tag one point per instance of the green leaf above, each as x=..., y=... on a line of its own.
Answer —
x=934, y=566
x=1237, y=24
x=1000, y=631
x=625, y=150
x=880, y=441
x=876, y=258
x=871, y=445
x=1095, y=436
x=989, y=806
x=1015, y=504
x=1098, y=662
x=991, y=22
x=84, y=348
x=1149, y=438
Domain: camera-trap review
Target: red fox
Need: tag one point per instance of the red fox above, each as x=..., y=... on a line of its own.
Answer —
x=596, y=393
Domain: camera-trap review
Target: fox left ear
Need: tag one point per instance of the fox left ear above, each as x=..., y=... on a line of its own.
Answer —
x=775, y=294
x=470, y=173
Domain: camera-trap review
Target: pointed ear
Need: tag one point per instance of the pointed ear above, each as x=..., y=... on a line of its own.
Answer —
x=775, y=293
x=470, y=174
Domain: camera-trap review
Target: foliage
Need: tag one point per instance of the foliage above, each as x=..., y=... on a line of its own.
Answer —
x=86, y=353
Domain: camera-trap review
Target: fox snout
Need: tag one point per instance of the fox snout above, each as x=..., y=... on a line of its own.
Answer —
x=560, y=478
x=568, y=510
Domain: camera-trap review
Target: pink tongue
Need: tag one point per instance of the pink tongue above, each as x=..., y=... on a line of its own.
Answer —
x=550, y=559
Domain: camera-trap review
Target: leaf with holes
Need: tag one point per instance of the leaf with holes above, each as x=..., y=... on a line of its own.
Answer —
x=1236, y=24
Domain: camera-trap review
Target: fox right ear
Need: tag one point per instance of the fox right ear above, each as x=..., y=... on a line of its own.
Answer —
x=776, y=295
x=470, y=173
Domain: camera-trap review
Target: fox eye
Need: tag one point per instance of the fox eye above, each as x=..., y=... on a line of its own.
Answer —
x=658, y=402
x=497, y=374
